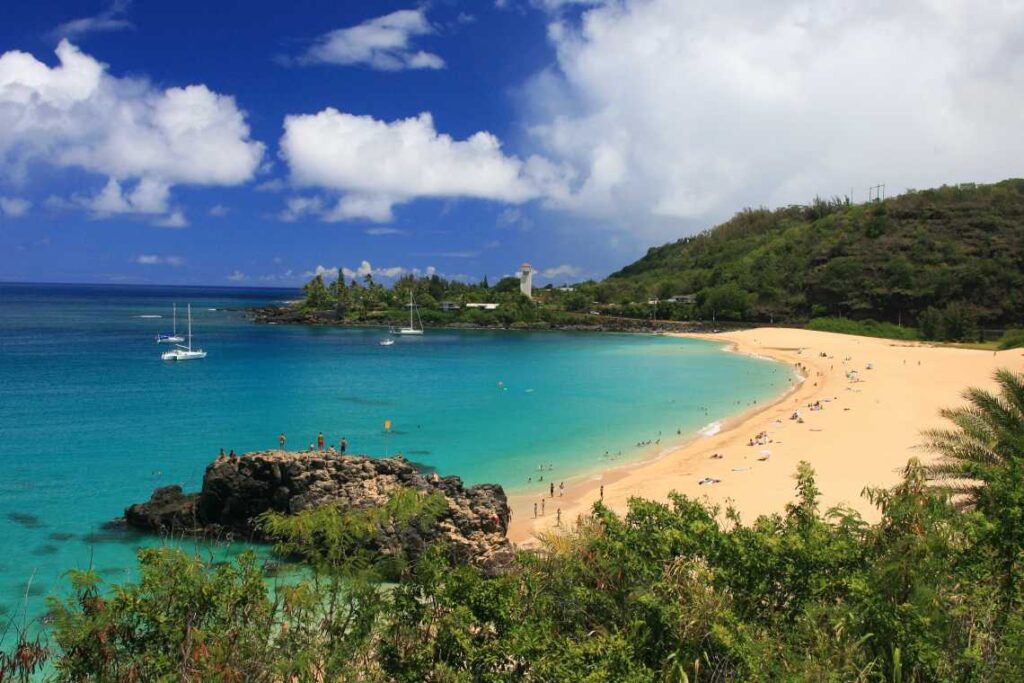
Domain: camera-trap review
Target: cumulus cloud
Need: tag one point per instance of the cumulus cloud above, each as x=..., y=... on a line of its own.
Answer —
x=364, y=269
x=13, y=207
x=156, y=260
x=383, y=43
x=376, y=164
x=143, y=139
x=675, y=114
x=219, y=210
x=563, y=270
x=112, y=19
x=237, y=276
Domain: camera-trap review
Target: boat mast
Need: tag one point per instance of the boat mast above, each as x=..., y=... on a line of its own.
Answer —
x=174, y=319
x=411, y=306
x=190, y=327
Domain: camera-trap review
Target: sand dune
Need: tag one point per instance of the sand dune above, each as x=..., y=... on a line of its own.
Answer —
x=864, y=434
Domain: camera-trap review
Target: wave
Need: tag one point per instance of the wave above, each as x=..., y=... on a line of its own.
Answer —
x=711, y=429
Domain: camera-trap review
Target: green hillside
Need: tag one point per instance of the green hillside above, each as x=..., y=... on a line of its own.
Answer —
x=957, y=250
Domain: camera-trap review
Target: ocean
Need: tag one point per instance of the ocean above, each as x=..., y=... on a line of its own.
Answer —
x=92, y=420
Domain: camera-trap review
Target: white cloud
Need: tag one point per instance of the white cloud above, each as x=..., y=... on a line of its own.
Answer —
x=237, y=276
x=156, y=260
x=376, y=164
x=175, y=219
x=297, y=207
x=364, y=269
x=676, y=114
x=112, y=19
x=143, y=139
x=383, y=43
x=563, y=270
x=13, y=207
x=384, y=231
x=219, y=210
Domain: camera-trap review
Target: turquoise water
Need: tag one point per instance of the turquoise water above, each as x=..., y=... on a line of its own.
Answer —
x=92, y=420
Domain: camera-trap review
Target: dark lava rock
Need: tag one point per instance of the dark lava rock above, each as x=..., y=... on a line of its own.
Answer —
x=235, y=493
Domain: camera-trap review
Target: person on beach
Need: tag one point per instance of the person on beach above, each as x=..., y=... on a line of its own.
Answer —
x=343, y=445
x=558, y=517
x=221, y=456
x=602, y=491
x=551, y=490
x=320, y=441
x=542, y=506
x=535, y=511
x=561, y=489
x=280, y=441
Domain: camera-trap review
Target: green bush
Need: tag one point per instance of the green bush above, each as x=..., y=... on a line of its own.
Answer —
x=1012, y=339
x=863, y=328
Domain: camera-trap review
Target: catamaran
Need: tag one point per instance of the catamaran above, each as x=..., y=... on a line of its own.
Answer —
x=412, y=329
x=185, y=352
x=173, y=337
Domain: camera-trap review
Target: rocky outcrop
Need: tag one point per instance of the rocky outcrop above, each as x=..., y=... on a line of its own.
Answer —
x=236, y=492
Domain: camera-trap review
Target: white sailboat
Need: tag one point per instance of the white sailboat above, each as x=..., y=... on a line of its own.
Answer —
x=412, y=329
x=173, y=337
x=185, y=352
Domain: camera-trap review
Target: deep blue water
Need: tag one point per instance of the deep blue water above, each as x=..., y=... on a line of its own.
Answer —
x=91, y=419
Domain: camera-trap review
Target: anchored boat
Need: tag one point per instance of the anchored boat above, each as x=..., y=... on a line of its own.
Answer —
x=185, y=352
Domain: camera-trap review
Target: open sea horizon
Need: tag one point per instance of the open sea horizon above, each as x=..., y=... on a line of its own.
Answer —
x=91, y=420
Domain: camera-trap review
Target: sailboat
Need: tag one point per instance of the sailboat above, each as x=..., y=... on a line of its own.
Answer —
x=412, y=329
x=173, y=337
x=185, y=352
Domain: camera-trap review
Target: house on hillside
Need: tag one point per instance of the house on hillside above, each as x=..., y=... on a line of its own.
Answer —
x=486, y=307
x=449, y=306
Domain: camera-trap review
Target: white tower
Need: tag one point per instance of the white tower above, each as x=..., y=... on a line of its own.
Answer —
x=526, y=280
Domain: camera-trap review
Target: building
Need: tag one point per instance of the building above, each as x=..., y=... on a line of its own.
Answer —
x=486, y=307
x=448, y=306
x=526, y=280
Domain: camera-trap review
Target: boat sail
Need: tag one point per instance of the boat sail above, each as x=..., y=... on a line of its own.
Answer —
x=185, y=352
x=173, y=337
x=412, y=329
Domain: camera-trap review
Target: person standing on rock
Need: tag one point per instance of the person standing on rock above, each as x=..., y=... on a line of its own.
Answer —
x=343, y=445
x=280, y=441
x=320, y=441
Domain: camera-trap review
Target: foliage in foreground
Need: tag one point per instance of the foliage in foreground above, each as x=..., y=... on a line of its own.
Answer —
x=674, y=592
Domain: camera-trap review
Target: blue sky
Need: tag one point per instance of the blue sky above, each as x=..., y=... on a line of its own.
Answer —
x=253, y=143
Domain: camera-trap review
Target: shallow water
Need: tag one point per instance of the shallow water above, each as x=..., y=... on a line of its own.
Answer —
x=92, y=420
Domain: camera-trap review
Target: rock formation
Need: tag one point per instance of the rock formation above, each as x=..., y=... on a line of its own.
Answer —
x=236, y=492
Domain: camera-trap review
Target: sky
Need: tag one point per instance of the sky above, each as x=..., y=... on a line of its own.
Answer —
x=254, y=143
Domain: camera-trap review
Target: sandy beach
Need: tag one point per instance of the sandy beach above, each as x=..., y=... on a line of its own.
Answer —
x=876, y=395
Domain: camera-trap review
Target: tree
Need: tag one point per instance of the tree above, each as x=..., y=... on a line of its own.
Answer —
x=981, y=464
x=725, y=301
x=316, y=293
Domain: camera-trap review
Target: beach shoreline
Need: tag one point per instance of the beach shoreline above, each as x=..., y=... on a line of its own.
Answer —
x=863, y=435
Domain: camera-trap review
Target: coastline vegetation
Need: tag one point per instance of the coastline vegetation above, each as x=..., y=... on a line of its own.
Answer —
x=944, y=264
x=946, y=260
x=682, y=591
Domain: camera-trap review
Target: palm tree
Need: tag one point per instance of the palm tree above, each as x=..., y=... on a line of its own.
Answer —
x=981, y=466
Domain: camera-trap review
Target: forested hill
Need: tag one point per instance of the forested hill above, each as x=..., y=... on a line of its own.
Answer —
x=955, y=247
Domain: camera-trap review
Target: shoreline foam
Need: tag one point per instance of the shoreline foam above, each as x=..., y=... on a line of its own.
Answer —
x=864, y=436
